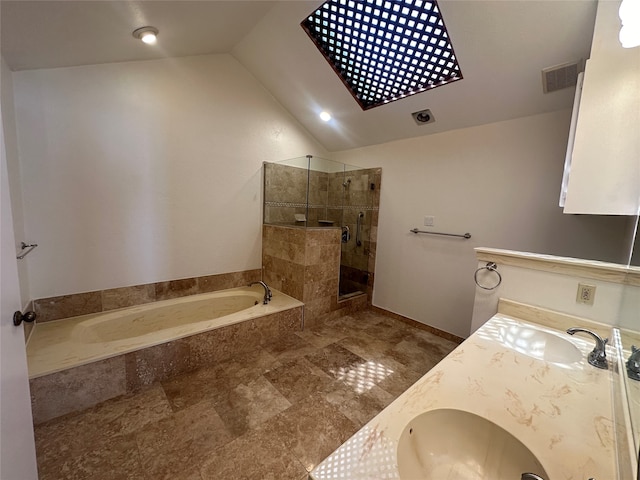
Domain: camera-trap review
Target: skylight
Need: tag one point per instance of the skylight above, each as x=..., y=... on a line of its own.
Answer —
x=384, y=50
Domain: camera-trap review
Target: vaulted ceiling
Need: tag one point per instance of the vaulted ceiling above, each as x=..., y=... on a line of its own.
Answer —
x=501, y=46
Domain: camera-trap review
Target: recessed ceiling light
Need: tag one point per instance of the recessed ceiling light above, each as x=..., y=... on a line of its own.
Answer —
x=146, y=34
x=325, y=116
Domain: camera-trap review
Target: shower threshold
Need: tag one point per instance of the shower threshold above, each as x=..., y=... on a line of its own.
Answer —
x=346, y=296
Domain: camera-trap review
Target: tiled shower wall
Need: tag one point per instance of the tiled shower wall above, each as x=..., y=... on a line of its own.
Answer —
x=361, y=196
x=338, y=197
x=285, y=195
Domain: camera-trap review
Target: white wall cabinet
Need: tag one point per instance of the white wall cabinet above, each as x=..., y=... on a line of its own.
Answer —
x=605, y=168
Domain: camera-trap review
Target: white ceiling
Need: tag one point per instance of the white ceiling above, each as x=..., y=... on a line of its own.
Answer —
x=501, y=46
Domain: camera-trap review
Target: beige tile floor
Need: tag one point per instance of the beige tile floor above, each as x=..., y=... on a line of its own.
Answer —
x=272, y=414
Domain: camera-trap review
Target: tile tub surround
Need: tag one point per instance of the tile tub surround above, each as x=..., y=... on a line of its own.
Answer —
x=67, y=376
x=65, y=306
x=274, y=412
x=563, y=415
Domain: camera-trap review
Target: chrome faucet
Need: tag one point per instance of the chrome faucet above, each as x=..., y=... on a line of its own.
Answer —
x=267, y=291
x=598, y=356
x=633, y=364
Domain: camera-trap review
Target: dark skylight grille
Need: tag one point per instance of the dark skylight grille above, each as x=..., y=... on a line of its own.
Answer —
x=384, y=50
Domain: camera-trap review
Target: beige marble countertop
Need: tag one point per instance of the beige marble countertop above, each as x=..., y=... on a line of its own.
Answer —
x=562, y=413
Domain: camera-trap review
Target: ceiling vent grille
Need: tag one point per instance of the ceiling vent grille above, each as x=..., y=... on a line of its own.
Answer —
x=423, y=116
x=384, y=50
x=560, y=76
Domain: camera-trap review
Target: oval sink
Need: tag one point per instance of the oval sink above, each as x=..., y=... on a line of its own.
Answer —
x=453, y=444
x=540, y=344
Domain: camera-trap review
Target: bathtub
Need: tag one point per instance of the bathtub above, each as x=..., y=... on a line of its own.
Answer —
x=64, y=344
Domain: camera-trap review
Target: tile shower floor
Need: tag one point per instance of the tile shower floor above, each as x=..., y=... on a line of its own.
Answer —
x=271, y=414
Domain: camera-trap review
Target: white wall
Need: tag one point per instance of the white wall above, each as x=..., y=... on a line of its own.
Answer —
x=501, y=183
x=145, y=171
x=13, y=166
x=614, y=303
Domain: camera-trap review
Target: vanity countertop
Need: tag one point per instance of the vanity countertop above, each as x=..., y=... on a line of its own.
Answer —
x=562, y=413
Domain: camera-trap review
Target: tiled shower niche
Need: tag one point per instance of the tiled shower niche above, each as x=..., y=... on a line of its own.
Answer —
x=315, y=193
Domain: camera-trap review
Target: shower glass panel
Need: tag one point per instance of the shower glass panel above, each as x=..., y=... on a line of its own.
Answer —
x=313, y=192
x=359, y=190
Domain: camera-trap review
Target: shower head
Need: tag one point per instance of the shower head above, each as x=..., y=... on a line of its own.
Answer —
x=346, y=183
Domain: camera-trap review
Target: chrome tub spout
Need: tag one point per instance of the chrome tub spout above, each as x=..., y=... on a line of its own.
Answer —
x=267, y=291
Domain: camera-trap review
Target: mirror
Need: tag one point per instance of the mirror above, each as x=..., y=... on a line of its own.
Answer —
x=631, y=302
x=629, y=336
x=629, y=339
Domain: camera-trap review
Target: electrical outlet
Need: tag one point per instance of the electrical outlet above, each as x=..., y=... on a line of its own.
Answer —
x=586, y=294
x=428, y=221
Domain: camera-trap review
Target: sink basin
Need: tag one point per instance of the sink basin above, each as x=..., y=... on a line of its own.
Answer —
x=540, y=344
x=453, y=444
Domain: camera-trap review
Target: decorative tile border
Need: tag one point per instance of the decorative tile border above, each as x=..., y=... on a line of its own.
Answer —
x=304, y=205
x=286, y=204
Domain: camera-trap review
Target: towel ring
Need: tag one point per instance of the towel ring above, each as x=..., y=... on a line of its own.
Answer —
x=492, y=267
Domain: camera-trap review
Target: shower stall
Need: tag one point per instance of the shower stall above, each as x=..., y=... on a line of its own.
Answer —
x=315, y=193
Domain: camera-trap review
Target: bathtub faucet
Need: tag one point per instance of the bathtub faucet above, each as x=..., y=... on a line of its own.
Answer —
x=267, y=291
